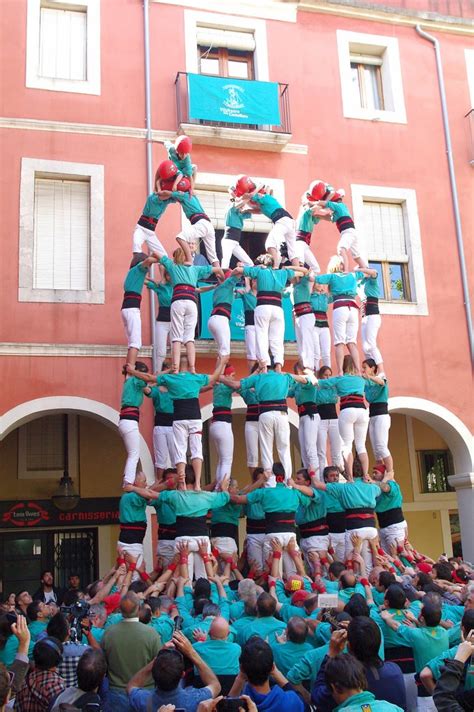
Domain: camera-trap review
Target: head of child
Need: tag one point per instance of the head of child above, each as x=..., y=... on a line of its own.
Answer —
x=331, y=474
x=229, y=371
x=369, y=367
x=324, y=372
x=179, y=257
x=302, y=477
x=137, y=258
x=257, y=473
x=335, y=264
x=183, y=146
x=348, y=366
x=337, y=196
x=279, y=472
x=141, y=366
x=378, y=472
x=298, y=368
x=243, y=185
x=265, y=260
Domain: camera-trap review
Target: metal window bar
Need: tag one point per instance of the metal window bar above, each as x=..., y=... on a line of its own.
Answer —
x=182, y=108
x=75, y=552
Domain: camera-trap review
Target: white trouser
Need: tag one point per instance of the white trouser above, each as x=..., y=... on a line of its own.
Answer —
x=283, y=231
x=165, y=551
x=141, y=235
x=314, y=543
x=304, y=330
x=345, y=325
x=286, y=561
x=250, y=343
x=308, y=437
x=273, y=426
x=163, y=442
x=353, y=426
x=306, y=256
x=255, y=553
x=135, y=550
x=184, y=316
x=322, y=346
x=219, y=326
x=393, y=534
x=251, y=442
x=348, y=241
x=132, y=322
x=220, y=433
x=379, y=428
x=370, y=326
x=270, y=333
x=201, y=230
x=184, y=432
x=338, y=543
x=195, y=563
x=329, y=428
x=426, y=704
x=130, y=435
x=364, y=533
x=225, y=544
x=232, y=247
x=162, y=334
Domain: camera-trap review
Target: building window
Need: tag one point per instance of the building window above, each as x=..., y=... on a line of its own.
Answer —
x=63, y=46
x=61, y=232
x=225, y=53
x=371, y=79
x=41, y=447
x=435, y=468
x=388, y=227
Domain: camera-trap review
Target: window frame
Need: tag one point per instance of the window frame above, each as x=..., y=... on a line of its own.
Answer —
x=423, y=471
x=223, y=56
x=386, y=48
x=30, y=167
x=415, y=268
x=386, y=281
x=92, y=84
x=73, y=455
x=360, y=67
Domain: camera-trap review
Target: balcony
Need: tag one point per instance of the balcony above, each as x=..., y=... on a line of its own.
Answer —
x=235, y=133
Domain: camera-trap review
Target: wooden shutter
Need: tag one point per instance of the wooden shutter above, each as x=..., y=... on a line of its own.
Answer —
x=231, y=39
x=45, y=443
x=61, y=234
x=216, y=203
x=63, y=44
x=384, y=230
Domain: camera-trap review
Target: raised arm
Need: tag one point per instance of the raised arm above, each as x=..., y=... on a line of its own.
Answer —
x=231, y=382
x=372, y=273
x=214, y=377
x=147, y=377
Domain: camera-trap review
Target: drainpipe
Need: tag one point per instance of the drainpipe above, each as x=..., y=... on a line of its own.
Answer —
x=149, y=155
x=452, y=179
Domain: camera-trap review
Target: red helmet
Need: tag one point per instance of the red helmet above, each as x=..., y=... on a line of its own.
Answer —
x=337, y=195
x=294, y=583
x=317, y=190
x=167, y=170
x=244, y=184
x=183, y=144
x=183, y=185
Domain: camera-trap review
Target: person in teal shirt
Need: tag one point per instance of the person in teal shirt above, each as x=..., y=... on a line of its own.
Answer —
x=322, y=336
x=133, y=392
x=305, y=223
x=132, y=520
x=339, y=214
x=393, y=528
x=313, y=527
x=219, y=321
x=225, y=525
x=292, y=646
x=162, y=429
x=145, y=228
x=305, y=399
x=249, y=300
x=133, y=287
x=371, y=320
x=304, y=319
x=164, y=292
x=376, y=394
x=234, y=223
x=218, y=651
x=180, y=153
x=38, y=615
x=200, y=227
x=183, y=310
x=221, y=434
x=166, y=519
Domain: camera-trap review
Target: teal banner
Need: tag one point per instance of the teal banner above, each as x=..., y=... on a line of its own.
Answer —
x=237, y=319
x=236, y=101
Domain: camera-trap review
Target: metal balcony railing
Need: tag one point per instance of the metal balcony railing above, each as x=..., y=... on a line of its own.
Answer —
x=182, y=109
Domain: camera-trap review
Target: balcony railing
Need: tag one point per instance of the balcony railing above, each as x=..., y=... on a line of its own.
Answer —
x=182, y=108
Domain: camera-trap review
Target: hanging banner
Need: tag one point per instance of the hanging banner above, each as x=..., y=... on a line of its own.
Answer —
x=236, y=101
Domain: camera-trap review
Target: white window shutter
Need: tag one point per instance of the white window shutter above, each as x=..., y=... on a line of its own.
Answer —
x=384, y=230
x=61, y=234
x=216, y=203
x=63, y=43
x=212, y=37
x=45, y=443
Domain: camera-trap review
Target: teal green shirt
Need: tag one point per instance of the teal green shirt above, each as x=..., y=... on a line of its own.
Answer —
x=35, y=628
x=267, y=203
x=346, y=385
x=326, y=394
x=366, y=702
x=248, y=395
x=132, y=508
x=228, y=514
x=370, y=286
x=183, y=274
x=189, y=503
x=135, y=278
x=319, y=301
x=390, y=500
x=355, y=495
x=302, y=290
x=224, y=292
x=279, y=498
x=254, y=510
x=184, y=384
x=304, y=393
x=375, y=393
x=427, y=643
x=235, y=218
x=97, y=632
x=270, y=386
x=132, y=392
x=165, y=513
x=190, y=203
x=249, y=299
x=164, y=292
x=164, y=626
x=221, y=656
x=222, y=396
x=307, y=667
x=339, y=210
x=436, y=665
x=9, y=650
x=306, y=220
x=266, y=628
x=184, y=165
x=285, y=654
x=162, y=401
x=269, y=280
x=340, y=283
x=155, y=207
x=315, y=510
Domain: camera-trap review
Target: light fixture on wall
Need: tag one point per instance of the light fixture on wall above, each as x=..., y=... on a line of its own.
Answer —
x=65, y=496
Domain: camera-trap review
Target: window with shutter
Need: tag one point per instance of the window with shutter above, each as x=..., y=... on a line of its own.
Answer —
x=41, y=453
x=61, y=234
x=226, y=53
x=63, y=44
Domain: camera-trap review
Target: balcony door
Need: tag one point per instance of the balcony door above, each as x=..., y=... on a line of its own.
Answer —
x=225, y=62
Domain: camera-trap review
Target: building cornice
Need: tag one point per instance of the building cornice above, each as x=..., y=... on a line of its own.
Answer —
x=384, y=13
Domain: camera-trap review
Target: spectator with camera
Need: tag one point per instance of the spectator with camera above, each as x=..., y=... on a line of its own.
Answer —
x=60, y=628
x=168, y=670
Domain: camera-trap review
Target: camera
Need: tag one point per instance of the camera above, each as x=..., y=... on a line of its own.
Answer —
x=75, y=615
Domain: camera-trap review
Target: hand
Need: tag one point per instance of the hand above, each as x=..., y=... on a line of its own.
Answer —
x=183, y=644
x=166, y=708
x=356, y=542
x=202, y=548
x=337, y=642
x=466, y=649
x=251, y=706
x=282, y=638
x=386, y=616
x=292, y=549
x=199, y=635
x=357, y=557
x=183, y=547
x=276, y=545
x=22, y=632
x=208, y=705
x=225, y=484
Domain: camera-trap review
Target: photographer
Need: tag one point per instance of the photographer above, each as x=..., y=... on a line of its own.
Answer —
x=59, y=628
